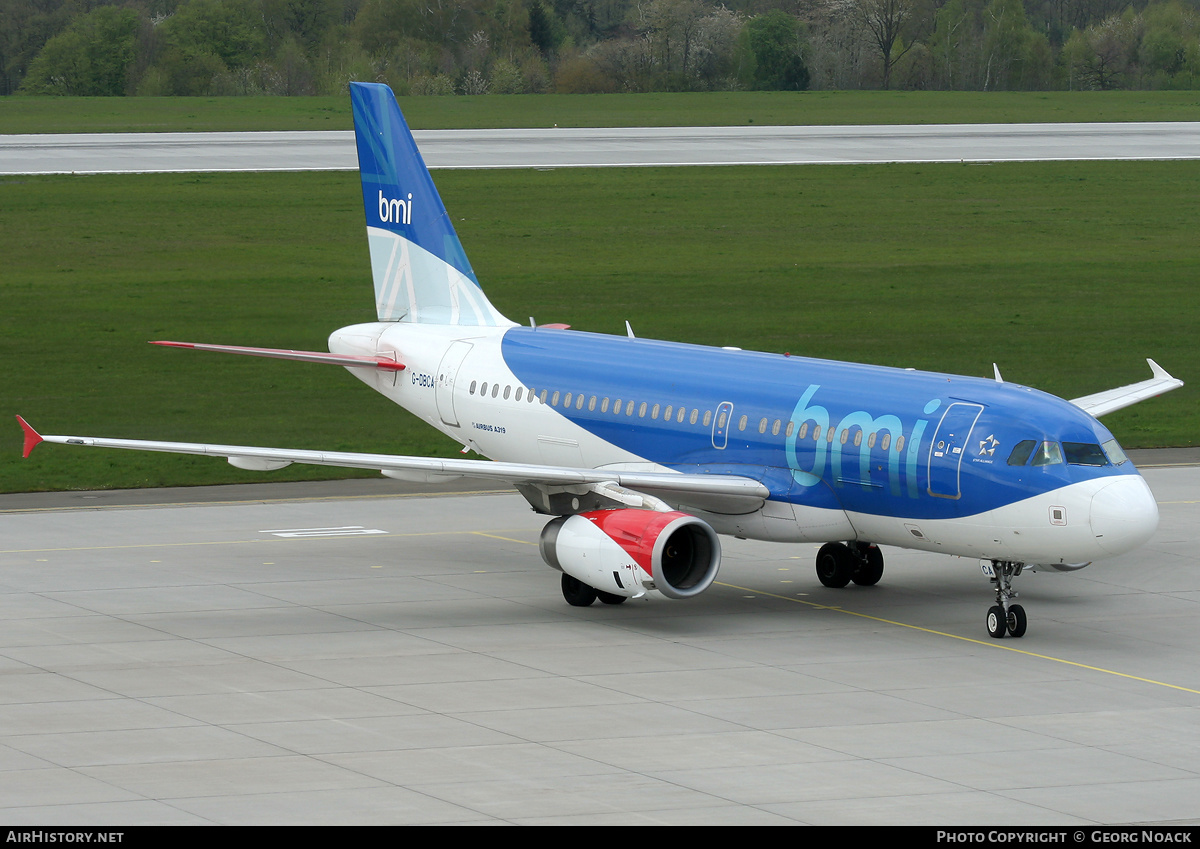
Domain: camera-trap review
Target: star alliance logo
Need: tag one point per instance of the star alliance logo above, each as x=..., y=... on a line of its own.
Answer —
x=987, y=446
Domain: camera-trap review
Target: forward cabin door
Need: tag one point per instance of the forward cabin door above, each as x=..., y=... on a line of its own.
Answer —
x=950, y=442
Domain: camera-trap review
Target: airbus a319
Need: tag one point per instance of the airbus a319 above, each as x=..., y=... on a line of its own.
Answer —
x=643, y=451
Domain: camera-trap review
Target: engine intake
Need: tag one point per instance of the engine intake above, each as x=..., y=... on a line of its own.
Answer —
x=630, y=552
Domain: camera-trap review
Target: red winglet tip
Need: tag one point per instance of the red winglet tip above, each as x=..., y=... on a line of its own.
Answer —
x=32, y=437
x=175, y=344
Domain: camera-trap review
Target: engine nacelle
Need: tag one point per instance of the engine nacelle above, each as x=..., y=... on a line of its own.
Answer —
x=630, y=552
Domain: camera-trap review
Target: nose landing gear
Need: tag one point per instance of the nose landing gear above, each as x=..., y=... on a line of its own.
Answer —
x=1004, y=617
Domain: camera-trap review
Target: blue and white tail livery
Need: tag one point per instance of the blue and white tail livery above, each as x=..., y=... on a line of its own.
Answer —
x=420, y=270
x=643, y=452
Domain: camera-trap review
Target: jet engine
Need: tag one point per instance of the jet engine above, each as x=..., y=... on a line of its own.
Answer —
x=631, y=552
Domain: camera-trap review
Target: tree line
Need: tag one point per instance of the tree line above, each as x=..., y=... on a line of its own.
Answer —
x=432, y=47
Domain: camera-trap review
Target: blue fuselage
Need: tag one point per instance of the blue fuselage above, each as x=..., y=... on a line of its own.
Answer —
x=866, y=439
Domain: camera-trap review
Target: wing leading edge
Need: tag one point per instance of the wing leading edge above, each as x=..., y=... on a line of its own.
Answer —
x=1110, y=400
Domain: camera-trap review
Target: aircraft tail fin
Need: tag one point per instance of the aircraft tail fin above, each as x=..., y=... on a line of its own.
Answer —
x=420, y=270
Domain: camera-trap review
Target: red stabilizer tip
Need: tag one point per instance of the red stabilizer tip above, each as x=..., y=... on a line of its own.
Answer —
x=32, y=438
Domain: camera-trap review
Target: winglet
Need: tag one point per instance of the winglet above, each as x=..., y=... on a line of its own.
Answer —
x=1158, y=370
x=32, y=437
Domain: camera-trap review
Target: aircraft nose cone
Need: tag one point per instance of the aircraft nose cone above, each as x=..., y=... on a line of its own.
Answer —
x=1123, y=514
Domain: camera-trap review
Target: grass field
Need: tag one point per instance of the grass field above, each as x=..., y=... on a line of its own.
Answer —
x=197, y=114
x=1066, y=274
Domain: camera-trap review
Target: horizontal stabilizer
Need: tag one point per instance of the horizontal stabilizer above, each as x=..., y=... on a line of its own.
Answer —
x=1110, y=400
x=303, y=356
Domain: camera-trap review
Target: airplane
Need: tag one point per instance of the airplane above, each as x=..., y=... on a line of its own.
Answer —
x=644, y=451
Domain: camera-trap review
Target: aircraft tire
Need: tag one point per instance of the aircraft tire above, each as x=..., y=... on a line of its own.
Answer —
x=870, y=570
x=997, y=622
x=1016, y=621
x=610, y=598
x=835, y=565
x=576, y=592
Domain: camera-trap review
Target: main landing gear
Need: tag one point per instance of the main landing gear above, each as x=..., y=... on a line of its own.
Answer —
x=579, y=594
x=1004, y=617
x=840, y=563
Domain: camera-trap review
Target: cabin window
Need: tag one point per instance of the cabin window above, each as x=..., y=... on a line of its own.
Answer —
x=845, y=435
x=495, y=389
x=871, y=439
x=567, y=400
x=742, y=422
x=721, y=421
x=654, y=412
x=474, y=383
x=775, y=427
x=1047, y=454
x=604, y=405
x=507, y=390
x=816, y=432
x=579, y=401
x=830, y=432
x=483, y=389
x=762, y=426
x=885, y=442
x=642, y=410
x=790, y=428
x=629, y=409
x=695, y=415
x=899, y=443
x=542, y=397
x=667, y=413
x=520, y=392
x=1084, y=454
x=679, y=416
x=554, y=399
x=857, y=438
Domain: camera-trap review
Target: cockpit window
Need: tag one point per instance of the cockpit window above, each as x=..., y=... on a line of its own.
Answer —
x=1084, y=454
x=1020, y=454
x=1047, y=454
x=1116, y=456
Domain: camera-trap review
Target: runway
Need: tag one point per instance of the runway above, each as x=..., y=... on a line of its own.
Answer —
x=635, y=146
x=363, y=652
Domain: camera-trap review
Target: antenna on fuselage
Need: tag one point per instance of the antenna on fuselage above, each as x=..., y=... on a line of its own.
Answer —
x=629, y=330
x=996, y=370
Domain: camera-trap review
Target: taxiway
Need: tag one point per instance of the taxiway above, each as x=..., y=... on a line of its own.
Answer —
x=364, y=652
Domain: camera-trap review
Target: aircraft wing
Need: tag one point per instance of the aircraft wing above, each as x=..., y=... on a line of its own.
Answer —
x=1110, y=400
x=735, y=492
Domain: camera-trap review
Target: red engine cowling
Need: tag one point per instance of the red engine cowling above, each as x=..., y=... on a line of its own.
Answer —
x=630, y=552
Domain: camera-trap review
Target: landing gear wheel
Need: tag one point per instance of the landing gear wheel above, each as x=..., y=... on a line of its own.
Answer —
x=835, y=565
x=576, y=592
x=870, y=568
x=1016, y=621
x=997, y=622
x=610, y=598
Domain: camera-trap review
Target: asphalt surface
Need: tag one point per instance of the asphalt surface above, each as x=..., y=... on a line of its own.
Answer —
x=566, y=148
x=367, y=652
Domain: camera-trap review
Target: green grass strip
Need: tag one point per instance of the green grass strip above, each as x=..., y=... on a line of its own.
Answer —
x=20, y=114
x=1066, y=274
